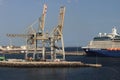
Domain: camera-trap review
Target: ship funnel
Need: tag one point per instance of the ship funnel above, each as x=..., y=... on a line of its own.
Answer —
x=114, y=31
x=100, y=34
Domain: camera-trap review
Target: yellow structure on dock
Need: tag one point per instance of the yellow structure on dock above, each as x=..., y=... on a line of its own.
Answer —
x=33, y=38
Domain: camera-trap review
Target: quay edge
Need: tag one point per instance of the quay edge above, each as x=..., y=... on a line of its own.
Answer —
x=46, y=64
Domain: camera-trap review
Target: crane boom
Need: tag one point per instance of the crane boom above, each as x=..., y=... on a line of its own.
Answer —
x=42, y=19
x=57, y=31
x=61, y=18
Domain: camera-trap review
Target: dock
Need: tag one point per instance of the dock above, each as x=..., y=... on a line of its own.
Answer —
x=35, y=64
x=41, y=41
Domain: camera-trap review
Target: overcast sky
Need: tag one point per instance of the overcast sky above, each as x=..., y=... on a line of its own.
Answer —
x=84, y=19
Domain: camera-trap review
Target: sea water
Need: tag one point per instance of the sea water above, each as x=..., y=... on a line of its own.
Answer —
x=109, y=71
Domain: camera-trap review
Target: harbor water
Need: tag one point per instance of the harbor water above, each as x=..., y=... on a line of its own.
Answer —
x=109, y=71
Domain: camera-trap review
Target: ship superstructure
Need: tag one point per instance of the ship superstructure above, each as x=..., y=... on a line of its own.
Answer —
x=111, y=40
x=104, y=44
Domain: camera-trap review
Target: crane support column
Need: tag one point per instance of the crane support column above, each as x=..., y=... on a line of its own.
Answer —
x=63, y=50
x=35, y=46
x=43, y=50
x=53, y=54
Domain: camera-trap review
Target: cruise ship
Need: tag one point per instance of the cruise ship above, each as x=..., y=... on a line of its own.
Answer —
x=104, y=44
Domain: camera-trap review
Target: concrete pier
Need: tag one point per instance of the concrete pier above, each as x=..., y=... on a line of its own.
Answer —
x=46, y=64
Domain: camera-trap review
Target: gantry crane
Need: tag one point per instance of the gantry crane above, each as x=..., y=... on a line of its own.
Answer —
x=33, y=37
x=57, y=34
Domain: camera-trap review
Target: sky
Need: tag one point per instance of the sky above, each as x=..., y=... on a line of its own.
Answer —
x=84, y=19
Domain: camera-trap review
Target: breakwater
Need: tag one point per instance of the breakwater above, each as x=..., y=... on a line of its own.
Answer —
x=35, y=64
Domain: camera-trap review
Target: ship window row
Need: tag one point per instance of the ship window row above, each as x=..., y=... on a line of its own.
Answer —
x=101, y=38
x=105, y=38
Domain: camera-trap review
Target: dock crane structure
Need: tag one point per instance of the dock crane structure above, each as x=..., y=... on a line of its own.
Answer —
x=33, y=37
